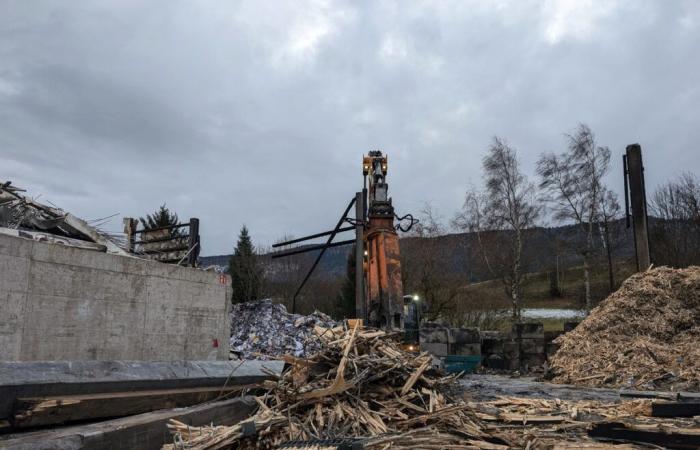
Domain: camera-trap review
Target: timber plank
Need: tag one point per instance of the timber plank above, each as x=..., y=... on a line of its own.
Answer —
x=40, y=411
x=143, y=431
x=675, y=409
x=668, y=438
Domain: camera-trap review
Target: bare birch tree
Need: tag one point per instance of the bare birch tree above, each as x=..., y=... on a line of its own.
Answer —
x=676, y=233
x=506, y=204
x=608, y=212
x=572, y=185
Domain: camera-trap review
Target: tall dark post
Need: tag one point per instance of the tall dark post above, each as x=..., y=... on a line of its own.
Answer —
x=638, y=201
x=359, y=256
x=193, y=244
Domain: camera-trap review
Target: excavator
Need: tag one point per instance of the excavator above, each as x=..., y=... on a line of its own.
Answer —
x=380, y=301
x=382, y=265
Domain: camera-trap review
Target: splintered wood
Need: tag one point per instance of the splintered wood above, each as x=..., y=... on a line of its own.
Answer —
x=361, y=385
x=645, y=336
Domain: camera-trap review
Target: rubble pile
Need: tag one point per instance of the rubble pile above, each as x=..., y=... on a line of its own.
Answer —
x=361, y=386
x=644, y=336
x=265, y=330
x=362, y=391
x=23, y=216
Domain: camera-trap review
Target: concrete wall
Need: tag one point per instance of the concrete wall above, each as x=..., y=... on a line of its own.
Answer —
x=61, y=303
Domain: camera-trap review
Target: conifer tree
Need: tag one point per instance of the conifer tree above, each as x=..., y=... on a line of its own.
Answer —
x=245, y=270
x=162, y=217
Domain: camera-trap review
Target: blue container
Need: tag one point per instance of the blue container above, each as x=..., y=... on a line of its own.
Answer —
x=459, y=363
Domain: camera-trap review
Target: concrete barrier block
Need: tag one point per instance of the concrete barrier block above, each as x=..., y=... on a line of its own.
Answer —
x=465, y=349
x=434, y=348
x=433, y=336
x=464, y=335
x=528, y=330
x=532, y=346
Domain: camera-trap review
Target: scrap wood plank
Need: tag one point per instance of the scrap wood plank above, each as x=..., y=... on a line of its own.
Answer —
x=680, y=438
x=675, y=409
x=521, y=418
x=39, y=411
x=145, y=431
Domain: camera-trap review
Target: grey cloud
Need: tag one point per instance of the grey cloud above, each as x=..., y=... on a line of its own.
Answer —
x=259, y=112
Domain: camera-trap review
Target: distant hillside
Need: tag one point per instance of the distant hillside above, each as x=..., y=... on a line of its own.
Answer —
x=331, y=265
x=461, y=251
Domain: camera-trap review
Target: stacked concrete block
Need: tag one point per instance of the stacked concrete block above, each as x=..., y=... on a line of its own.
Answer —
x=464, y=341
x=530, y=339
x=493, y=349
x=441, y=340
x=550, y=346
x=434, y=339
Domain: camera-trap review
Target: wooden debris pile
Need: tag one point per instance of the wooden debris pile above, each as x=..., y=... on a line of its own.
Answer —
x=361, y=385
x=553, y=423
x=644, y=336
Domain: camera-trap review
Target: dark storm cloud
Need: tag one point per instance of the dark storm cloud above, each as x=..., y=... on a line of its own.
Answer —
x=259, y=112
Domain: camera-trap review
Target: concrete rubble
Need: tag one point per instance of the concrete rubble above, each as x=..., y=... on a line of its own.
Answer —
x=265, y=330
x=23, y=216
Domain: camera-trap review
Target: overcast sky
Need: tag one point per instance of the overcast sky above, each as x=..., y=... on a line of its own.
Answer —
x=259, y=112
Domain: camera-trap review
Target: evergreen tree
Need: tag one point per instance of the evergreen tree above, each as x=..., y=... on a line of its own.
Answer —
x=346, y=297
x=245, y=270
x=162, y=217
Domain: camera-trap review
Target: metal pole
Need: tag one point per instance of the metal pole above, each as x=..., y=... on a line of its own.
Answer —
x=311, y=248
x=320, y=255
x=193, y=242
x=635, y=170
x=359, y=256
x=311, y=236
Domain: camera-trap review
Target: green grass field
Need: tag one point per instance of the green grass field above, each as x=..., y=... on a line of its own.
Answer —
x=486, y=304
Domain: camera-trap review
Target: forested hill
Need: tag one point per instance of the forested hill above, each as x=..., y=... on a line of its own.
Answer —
x=461, y=253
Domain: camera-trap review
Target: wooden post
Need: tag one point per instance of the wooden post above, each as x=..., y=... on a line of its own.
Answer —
x=130, y=230
x=193, y=244
x=638, y=200
x=359, y=256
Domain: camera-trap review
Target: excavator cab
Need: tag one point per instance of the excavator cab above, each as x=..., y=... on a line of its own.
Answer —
x=411, y=320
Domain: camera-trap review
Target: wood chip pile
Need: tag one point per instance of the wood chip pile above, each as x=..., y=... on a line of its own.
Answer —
x=644, y=336
x=361, y=385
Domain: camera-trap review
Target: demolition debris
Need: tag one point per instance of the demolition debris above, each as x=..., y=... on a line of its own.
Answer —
x=265, y=330
x=361, y=386
x=644, y=336
x=25, y=217
x=362, y=391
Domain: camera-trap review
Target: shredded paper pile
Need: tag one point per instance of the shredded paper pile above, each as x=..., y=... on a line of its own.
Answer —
x=644, y=336
x=265, y=330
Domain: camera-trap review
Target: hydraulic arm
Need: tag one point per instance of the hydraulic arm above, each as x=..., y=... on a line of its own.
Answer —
x=382, y=266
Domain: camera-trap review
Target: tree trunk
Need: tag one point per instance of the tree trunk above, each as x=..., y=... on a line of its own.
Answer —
x=587, y=283
x=515, y=283
x=611, y=273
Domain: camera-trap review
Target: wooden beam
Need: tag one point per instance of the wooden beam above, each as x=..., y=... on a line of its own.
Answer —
x=143, y=431
x=675, y=409
x=40, y=411
x=667, y=437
